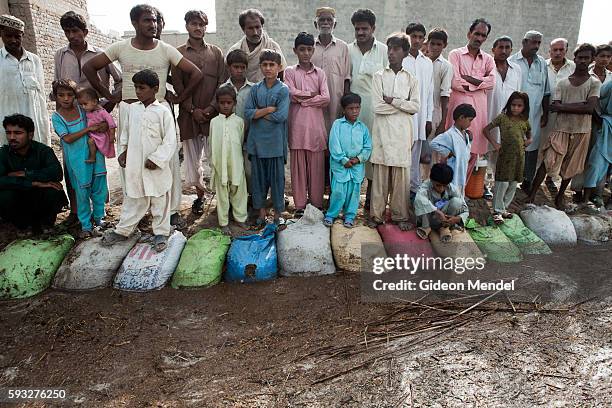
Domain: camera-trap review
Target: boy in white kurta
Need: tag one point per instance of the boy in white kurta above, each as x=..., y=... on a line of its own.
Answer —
x=228, y=178
x=395, y=98
x=147, y=144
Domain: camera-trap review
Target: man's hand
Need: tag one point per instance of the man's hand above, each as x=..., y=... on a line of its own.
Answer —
x=122, y=159
x=208, y=112
x=150, y=165
x=388, y=99
x=114, y=99
x=51, y=184
x=440, y=129
x=271, y=109
x=428, y=127
x=354, y=160
x=544, y=120
x=16, y=174
x=528, y=142
x=471, y=80
x=348, y=164
x=109, y=106
x=198, y=115
x=173, y=98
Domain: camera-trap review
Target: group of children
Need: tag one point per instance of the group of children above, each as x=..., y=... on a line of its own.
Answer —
x=259, y=125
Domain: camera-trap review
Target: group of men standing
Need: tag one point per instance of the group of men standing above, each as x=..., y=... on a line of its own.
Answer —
x=198, y=68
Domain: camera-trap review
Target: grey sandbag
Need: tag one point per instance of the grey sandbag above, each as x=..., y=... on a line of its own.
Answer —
x=92, y=266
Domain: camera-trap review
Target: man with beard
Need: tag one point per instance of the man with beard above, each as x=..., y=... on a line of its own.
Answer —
x=196, y=112
x=332, y=55
x=31, y=192
x=22, y=80
x=254, y=41
x=142, y=52
x=559, y=67
x=473, y=76
x=534, y=73
x=368, y=56
x=507, y=81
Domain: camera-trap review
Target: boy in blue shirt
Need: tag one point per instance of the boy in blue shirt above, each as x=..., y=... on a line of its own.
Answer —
x=267, y=109
x=350, y=147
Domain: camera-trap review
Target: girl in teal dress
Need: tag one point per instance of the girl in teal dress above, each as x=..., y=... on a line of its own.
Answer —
x=87, y=179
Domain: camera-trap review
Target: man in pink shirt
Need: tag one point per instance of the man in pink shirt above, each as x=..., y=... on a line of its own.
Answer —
x=473, y=75
x=309, y=94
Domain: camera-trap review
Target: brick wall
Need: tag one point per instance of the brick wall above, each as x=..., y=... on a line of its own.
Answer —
x=284, y=19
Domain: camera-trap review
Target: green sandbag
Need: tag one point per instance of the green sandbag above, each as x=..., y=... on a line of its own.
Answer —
x=202, y=260
x=27, y=266
x=524, y=238
x=493, y=243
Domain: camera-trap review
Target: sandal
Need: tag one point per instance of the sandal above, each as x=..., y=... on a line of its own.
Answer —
x=259, y=223
x=498, y=218
x=111, y=237
x=349, y=223
x=422, y=232
x=328, y=221
x=373, y=223
x=405, y=226
x=507, y=215
x=197, y=207
x=445, y=234
x=159, y=243
x=299, y=213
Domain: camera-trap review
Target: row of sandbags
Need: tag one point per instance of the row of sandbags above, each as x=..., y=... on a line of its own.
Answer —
x=304, y=248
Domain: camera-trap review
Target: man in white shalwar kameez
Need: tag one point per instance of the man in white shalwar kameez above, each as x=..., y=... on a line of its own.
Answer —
x=395, y=98
x=22, y=84
x=422, y=68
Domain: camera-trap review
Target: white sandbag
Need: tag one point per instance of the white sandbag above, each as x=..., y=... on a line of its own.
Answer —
x=145, y=269
x=92, y=266
x=346, y=245
x=591, y=228
x=304, y=247
x=553, y=226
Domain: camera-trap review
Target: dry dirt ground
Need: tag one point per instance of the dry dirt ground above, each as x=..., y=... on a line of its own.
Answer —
x=312, y=342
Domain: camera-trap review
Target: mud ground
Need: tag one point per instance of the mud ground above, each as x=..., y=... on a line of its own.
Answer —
x=312, y=342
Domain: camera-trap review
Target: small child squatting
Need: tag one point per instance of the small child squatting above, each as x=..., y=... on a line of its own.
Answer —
x=148, y=143
x=438, y=204
x=102, y=141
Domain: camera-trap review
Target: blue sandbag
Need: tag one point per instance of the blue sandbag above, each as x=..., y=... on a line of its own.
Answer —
x=252, y=258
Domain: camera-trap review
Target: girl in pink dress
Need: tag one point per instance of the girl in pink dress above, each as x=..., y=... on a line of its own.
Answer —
x=102, y=141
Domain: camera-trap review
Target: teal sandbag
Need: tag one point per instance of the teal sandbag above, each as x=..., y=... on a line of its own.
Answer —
x=27, y=266
x=201, y=263
x=524, y=238
x=494, y=243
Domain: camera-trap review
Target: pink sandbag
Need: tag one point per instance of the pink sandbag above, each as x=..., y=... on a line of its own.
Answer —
x=398, y=242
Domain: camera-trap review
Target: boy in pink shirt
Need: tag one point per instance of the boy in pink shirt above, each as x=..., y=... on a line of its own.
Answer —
x=102, y=141
x=309, y=94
